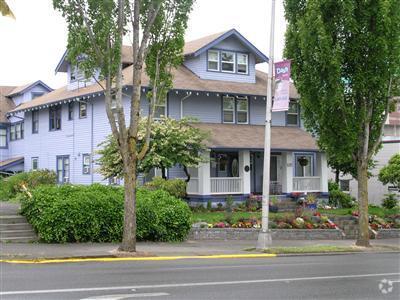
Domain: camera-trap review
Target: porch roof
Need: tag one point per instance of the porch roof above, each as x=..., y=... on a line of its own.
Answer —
x=11, y=162
x=251, y=137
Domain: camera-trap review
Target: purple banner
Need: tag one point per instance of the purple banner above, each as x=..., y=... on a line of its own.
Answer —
x=282, y=86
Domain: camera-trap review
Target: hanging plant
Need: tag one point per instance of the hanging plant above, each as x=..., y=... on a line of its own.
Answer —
x=303, y=161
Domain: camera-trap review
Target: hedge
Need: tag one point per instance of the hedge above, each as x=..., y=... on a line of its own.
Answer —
x=175, y=187
x=94, y=213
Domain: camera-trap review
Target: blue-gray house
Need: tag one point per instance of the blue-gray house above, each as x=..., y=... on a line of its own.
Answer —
x=217, y=83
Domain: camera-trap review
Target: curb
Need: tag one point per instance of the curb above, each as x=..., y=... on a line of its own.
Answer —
x=118, y=259
x=336, y=253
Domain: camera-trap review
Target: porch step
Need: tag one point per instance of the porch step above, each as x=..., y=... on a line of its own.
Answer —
x=15, y=228
x=16, y=233
x=12, y=219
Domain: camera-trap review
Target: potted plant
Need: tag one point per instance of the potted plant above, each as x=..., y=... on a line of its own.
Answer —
x=311, y=201
x=273, y=204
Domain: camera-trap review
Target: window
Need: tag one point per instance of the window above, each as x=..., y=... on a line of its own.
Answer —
x=63, y=169
x=35, y=163
x=242, y=109
x=292, y=117
x=224, y=164
x=70, y=111
x=228, y=61
x=55, y=118
x=345, y=185
x=3, y=137
x=228, y=109
x=213, y=60
x=86, y=163
x=76, y=74
x=114, y=181
x=242, y=63
x=82, y=110
x=35, y=121
x=17, y=131
x=160, y=109
x=304, y=165
x=36, y=94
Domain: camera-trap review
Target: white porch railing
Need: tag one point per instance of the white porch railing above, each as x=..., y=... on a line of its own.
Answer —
x=226, y=185
x=193, y=186
x=306, y=184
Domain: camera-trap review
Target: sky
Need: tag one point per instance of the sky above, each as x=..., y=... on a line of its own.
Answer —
x=32, y=45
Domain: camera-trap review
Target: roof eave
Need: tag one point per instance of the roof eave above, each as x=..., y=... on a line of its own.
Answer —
x=31, y=86
x=61, y=64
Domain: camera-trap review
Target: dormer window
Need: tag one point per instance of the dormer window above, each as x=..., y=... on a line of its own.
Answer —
x=228, y=61
x=242, y=63
x=76, y=74
x=213, y=60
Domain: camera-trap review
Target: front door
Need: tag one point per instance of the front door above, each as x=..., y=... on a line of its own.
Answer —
x=257, y=166
x=63, y=169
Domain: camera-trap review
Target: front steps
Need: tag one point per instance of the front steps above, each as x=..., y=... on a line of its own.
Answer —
x=15, y=228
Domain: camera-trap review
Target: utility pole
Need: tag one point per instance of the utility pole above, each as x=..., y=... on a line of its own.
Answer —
x=264, y=237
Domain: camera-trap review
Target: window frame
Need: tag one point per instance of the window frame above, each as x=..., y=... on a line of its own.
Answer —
x=14, y=132
x=233, y=110
x=5, y=136
x=71, y=107
x=55, y=113
x=86, y=165
x=312, y=160
x=83, y=104
x=63, y=158
x=218, y=61
x=35, y=121
x=35, y=158
x=228, y=62
x=165, y=109
x=297, y=113
x=247, y=63
x=237, y=100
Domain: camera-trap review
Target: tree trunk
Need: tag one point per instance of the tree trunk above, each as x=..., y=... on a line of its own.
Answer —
x=129, y=237
x=337, y=173
x=363, y=226
x=186, y=173
x=164, y=173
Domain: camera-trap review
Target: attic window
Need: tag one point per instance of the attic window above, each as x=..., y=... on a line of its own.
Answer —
x=213, y=60
x=228, y=61
x=242, y=63
x=76, y=74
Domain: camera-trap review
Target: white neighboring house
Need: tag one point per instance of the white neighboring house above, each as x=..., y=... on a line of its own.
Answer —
x=390, y=147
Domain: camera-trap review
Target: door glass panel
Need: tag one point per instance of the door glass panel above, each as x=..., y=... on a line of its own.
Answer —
x=274, y=169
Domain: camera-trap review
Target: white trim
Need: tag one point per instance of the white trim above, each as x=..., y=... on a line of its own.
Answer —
x=238, y=110
x=228, y=62
x=247, y=64
x=228, y=110
x=209, y=60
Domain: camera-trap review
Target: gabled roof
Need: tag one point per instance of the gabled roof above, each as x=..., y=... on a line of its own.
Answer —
x=199, y=46
x=183, y=79
x=6, y=104
x=233, y=136
x=21, y=89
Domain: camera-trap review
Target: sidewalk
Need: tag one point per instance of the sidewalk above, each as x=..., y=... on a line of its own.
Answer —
x=190, y=248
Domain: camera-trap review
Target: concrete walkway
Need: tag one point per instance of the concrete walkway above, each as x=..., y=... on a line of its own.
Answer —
x=39, y=250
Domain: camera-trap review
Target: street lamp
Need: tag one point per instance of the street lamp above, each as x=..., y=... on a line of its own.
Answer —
x=264, y=237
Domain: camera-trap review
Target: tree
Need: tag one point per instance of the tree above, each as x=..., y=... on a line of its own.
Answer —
x=391, y=172
x=346, y=58
x=5, y=9
x=172, y=142
x=96, y=29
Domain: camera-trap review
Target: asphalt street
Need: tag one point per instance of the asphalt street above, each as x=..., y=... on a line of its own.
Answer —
x=353, y=276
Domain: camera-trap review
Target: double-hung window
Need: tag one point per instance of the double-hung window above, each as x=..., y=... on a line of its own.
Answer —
x=12, y=132
x=242, y=63
x=228, y=104
x=160, y=109
x=213, y=60
x=242, y=110
x=292, y=117
x=35, y=163
x=228, y=61
x=70, y=111
x=86, y=163
x=3, y=137
x=17, y=131
x=35, y=121
x=82, y=110
x=55, y=118
x=62, y=168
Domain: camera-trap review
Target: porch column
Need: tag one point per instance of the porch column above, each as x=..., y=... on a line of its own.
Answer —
x=244, y=160
x=323, y=165
x=287, y=172
x=204, y=175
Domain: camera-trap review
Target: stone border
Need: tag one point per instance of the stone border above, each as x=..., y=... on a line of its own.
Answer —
x=252, y=234
x=388, y=233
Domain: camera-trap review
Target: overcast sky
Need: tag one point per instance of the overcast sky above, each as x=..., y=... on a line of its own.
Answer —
x=32, y=45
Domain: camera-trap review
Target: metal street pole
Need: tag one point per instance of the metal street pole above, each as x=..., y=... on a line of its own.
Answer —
x=264, y=237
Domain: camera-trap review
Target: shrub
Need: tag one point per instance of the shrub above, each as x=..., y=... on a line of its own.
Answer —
x=390, y=201
x=341, y=199
x=175, y=187
x=11, y=186
x=95, y=213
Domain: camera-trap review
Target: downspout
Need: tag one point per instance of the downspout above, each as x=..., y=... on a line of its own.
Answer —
x=91, y=144
x=183, y=99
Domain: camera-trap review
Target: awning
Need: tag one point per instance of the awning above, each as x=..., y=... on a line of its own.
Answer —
x=251, y=137
x=8, y=163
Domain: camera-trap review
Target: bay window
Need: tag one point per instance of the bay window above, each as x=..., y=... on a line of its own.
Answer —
x=213, y=60
x=228, y=104
x=228, y=61
x=242, y=63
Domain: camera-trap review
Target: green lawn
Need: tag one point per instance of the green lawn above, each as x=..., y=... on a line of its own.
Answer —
x=378, y=211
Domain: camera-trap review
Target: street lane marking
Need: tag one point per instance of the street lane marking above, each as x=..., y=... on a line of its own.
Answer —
x=195, y=284
x=116, y=259
x=124, y=296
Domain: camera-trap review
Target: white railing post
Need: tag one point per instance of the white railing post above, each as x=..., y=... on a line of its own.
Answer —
x=204, y=176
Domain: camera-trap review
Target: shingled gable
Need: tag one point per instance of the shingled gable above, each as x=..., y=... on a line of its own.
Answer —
x=199, y=46
x=21, y=89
